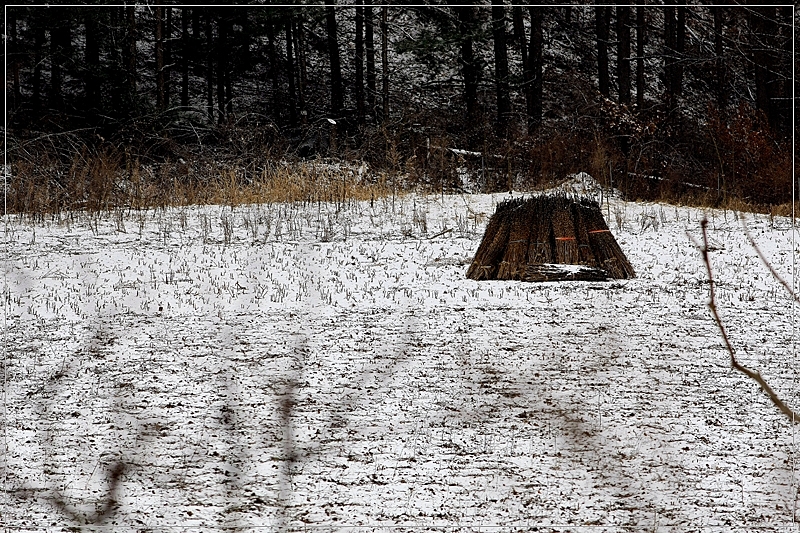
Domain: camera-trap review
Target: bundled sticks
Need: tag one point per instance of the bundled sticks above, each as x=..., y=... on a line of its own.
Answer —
x=543, y=230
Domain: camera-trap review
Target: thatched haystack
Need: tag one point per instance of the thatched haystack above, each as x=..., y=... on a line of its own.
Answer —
x=532, y=239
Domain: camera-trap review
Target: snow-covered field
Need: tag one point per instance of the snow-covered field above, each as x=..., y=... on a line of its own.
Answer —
x=300, y=366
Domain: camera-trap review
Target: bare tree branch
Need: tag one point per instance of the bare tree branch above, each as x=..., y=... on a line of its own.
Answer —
x=712, y=304
x=768, y=265
x=114, y=479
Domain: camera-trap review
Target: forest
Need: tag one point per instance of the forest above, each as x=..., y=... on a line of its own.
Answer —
x=152, y=105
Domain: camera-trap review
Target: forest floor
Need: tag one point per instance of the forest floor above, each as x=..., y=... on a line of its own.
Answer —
x=329, y=367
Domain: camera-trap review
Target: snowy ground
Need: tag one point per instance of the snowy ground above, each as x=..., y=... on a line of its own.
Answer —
x=322, y=365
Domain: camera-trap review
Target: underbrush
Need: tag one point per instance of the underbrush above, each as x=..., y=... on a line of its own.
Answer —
x=731, y=163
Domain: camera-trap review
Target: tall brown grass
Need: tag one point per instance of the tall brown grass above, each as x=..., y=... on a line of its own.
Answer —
x=107, y=180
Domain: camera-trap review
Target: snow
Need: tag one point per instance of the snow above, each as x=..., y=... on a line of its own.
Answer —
x=470, y=153
x=329, y=365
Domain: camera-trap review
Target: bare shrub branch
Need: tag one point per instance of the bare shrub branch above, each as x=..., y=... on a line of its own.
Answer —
x=712, y=304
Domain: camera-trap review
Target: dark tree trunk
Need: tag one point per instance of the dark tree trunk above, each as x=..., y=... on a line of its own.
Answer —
x=624, y=73
x=209, y=66
x=360, y=61
x=337, y=90
x=519, y=37
x=116, y=21
x=469, y=65
x=238, y=29
x=222, y=63
x=92, y=52
x=786, y=72
x=763, y=32
x=602, y=22
x=60, y=43
x=197, y=59
x=300, y=51
x=274, y=71
x=15, y=60
x=680, y=49
x=669, y=53
x=196, y=27
x=290, y=73
x=167, y=54
x=130, y=56
x=624, y=55
x=536, y=93
x=369, y=44
x=228, y=89
x=527, y=73
x=640, y=37
x=385, y=60
x=721, y=81
x=38, y=43
x=501, y=67
x=185, y=57
x=161, y=101
x=759, y=55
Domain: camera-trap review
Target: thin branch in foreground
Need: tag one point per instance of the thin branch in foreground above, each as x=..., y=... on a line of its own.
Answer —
x=113, y=480
x=769, y=266
x=712, y=304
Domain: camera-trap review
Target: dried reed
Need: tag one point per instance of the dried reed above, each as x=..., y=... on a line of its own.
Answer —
x=522, y=235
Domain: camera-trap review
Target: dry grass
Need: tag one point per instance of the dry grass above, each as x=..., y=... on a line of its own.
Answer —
x=306, y=182
x=109, y=180
x=730, y=203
